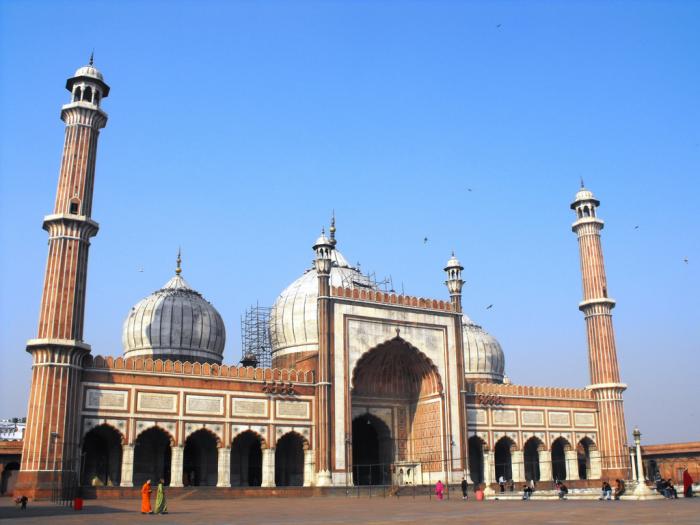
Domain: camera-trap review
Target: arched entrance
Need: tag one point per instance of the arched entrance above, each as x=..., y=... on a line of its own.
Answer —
x=289, y=461
x=476, y=459
x=9, y=477
x=559, y=458
x=372, y=451
x=102, y=457
x=532, y=459
x=199, y=465
x=396, y=381
x=152, y=456
x=246, y=460
x=502, y=453
x=583, y=454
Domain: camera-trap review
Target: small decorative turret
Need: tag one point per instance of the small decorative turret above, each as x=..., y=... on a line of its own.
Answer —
x=331, y=230
x=454, y=281
x=323, y=248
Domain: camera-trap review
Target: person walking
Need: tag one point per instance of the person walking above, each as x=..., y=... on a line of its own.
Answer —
x=161, y=502
x=146, y=498
x=687, y=484
x=439, y=489
x=465, y=486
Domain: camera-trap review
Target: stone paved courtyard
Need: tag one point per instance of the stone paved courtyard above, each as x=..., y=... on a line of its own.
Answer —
x=339, y=510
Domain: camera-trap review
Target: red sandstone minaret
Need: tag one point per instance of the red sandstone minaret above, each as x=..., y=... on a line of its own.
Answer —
x=602, y=355
x=51, y=441
x=323, y=262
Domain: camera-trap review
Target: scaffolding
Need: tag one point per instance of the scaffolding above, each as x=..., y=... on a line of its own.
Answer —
x=255, y=336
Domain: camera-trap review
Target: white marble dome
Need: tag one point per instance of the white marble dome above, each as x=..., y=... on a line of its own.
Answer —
x=294, y=316
x=483, y=356
x=89, y=71
x=176, y=323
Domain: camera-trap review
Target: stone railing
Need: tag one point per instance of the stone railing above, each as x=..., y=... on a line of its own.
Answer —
x=374, y=296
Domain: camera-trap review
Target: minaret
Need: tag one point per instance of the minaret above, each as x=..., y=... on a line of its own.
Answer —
x=453, y=270
x=602, y=355
x=51, y=441
x=323, y=248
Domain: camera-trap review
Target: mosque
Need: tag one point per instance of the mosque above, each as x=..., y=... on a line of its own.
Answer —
x=365, y=387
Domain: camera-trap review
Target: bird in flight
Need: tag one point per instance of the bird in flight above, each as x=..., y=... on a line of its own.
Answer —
x=685, y=260
x=425, y=240
x=469, y=189
x=636, y=227
x=498, y=26
x=489, y=307
x=140, y=270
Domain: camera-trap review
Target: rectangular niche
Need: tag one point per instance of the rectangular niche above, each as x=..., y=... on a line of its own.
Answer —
x=504, y=417
x=248, y=407
x=152, y=402
x=532, y=418
x=292, y=409
x=584, y=419
x=476, y=416
x=98, y=399
x=204, y=405
x=559, y=419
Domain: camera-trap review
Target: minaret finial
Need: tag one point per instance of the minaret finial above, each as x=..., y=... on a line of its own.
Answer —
x=178, y=270
x=582, y=182
x=92, y=57
x=332, y=229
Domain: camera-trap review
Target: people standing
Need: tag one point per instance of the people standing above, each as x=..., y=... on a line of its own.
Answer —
x=465, y=487
x=687, y=484
x=146, y=498
x=161, y=503
x=439, y=489
x=502, y=483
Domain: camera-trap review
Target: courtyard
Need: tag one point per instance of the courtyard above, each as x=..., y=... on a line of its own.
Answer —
x=341, y=510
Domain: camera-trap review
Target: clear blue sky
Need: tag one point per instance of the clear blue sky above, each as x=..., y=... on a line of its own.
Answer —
x=236, y=127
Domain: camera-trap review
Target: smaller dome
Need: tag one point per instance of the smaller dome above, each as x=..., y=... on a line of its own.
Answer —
x=584, y=195
x=176, y=323
x=323, y=240
x=89, y=71
x=453, y=262
x=483, y=356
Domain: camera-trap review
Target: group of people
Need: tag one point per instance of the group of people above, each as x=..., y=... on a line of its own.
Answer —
x=161, y=503
x=667, y=489
x=607, y=491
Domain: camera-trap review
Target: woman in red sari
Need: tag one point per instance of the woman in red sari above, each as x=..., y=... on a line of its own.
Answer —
x=146, y=498
x=687, y=484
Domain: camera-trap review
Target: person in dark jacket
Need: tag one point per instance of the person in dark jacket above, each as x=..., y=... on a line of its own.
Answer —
x=465, y=486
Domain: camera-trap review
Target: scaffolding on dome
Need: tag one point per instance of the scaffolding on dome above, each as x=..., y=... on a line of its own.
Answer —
x=255, y=337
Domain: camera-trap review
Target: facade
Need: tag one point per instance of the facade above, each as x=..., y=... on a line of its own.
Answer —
x=365, y=387
x=670, y=460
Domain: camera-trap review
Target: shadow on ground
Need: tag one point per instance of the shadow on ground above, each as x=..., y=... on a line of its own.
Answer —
x=15, y=513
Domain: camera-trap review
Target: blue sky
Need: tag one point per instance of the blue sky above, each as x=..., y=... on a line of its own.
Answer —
x=236, y=127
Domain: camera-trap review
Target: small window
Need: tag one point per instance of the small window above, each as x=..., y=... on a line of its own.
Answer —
x=87, y=94
x=77, y=94
x=586, y=212
x=97, y=97
x=74, y=207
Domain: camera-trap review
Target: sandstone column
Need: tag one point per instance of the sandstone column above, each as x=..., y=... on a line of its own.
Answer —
x=268, y=467
x=224, y=475
x=176, y=455
x=545, y=460
x=127, y=466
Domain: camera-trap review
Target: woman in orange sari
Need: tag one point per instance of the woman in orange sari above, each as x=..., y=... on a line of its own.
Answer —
x=146, y=498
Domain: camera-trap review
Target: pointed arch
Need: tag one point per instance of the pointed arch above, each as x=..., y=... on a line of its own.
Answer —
x=102, y=456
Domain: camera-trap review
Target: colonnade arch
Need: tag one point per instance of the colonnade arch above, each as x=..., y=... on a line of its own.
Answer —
x=247, y=460
x=289, y=460
x=533, y=461
x=200, y=461
x=102, y=456
x=152, y=456
x=372, y=451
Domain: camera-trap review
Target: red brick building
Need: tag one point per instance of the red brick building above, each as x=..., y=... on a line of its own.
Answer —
x=365, y=387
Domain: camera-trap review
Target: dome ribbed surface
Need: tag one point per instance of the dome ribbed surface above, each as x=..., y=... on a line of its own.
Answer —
x=294, y=316
x=177, y=323
x=483, y=355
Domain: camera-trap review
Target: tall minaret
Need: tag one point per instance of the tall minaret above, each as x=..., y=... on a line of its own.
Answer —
x=323, y=262
x=602, y=355
x=51, y=440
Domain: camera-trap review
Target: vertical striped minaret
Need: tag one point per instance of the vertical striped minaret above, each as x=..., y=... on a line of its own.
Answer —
x=323, y=248
x=51, y=441
x=602, y=355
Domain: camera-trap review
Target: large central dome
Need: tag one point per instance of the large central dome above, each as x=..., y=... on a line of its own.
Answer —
x=176, y=323
x=294, y=316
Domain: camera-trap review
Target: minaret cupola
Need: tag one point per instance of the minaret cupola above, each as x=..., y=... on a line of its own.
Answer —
x=87, y=86
x=323, y=248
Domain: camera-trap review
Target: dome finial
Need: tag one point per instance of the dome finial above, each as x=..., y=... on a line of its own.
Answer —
x=332, y=229
x=582, y=182
x=92, y=57
x=178, y=270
